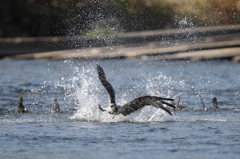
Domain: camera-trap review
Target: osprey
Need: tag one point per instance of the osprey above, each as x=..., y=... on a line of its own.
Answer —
x=133, y=105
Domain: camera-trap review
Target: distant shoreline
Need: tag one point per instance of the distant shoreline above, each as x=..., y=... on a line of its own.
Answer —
x=9, y=47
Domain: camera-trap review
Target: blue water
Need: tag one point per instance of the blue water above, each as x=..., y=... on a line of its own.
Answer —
x=82, y=131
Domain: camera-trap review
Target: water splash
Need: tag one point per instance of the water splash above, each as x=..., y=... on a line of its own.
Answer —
x=90, y=93
x=185, y=22
x=86, y=95
x=83, y=91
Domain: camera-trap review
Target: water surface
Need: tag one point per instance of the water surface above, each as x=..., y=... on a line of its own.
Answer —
x=82, y=131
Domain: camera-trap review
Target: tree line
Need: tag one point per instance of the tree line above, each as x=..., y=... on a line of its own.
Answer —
x=31, y=18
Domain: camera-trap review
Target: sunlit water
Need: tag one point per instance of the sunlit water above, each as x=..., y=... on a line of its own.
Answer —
x=82, y=131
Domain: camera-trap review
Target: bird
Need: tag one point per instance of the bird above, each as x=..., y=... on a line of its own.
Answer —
x=214, y=103
x=20, y=109
x=55, y=106
x=133, y=105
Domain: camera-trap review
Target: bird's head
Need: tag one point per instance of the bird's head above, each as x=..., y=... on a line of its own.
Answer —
x=112, y=108
x=20, y=99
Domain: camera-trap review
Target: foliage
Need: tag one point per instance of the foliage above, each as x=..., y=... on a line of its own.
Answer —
x=33, y=17
x=209, y=12
x=106, y=30
x=26, y=18
x=74, y=17
x=139, y=15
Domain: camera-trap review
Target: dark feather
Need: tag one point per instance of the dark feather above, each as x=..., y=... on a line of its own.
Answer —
x=163, y=108
x=106, y=84
x=168, y=104
x=134, y=104
x=140, y=102
x=161, y=98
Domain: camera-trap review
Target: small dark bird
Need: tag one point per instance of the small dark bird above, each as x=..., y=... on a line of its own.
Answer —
x=133, y=105
x=20, y=108
x=55, y=106
x=214, y=103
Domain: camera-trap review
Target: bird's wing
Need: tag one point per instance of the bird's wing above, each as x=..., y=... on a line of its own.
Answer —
x=140, y=102
x=156, y=98
x=162, y=107
x=106, y=84
x=170, y=105
x=132, y=106
x=161, y=99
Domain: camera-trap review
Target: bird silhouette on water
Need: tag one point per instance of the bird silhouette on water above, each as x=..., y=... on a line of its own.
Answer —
x=55, y=106
x=20, y=109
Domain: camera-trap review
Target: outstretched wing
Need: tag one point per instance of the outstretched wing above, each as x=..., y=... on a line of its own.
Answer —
x=168, y=104
x=140, y=102
x=133, y=105
x=162, y=107
x=106, y=84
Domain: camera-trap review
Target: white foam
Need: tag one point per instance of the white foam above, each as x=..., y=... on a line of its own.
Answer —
x=87, y=92
x=90, y=93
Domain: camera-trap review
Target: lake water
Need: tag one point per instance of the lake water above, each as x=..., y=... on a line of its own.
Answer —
x=82, y=131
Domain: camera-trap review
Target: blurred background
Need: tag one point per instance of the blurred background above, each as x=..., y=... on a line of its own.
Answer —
x=34, y=18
